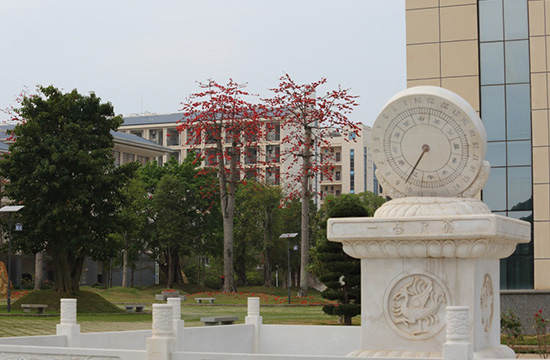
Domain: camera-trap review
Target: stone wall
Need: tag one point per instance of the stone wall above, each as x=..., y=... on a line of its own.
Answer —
x=524, y=304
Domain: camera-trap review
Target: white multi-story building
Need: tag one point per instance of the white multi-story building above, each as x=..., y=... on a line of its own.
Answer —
x=353, y=168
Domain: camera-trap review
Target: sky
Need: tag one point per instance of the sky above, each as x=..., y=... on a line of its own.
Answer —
x=147, y=56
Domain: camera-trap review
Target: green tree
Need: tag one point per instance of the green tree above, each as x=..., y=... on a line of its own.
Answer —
x=256, y=218
x=338, y=271
x=181, y=214
x=133, y=220
x=61, y=168
x=291, y=222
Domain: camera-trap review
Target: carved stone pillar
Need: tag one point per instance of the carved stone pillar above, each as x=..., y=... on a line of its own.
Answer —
x=177, y=322
x=254, y=318
x=68, y=326
x=161, y=344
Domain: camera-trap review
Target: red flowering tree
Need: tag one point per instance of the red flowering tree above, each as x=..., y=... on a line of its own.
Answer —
x=308, y=122
x=221, y=124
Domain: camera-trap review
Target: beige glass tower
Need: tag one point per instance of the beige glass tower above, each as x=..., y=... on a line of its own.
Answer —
x=496, y=55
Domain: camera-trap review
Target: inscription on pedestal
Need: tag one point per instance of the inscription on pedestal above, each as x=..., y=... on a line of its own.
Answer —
x=415, y=305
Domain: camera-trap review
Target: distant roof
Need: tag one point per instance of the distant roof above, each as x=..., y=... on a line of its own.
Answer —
x=153, y=119
x=130, y=139
x=4, y=148
x=118, y=136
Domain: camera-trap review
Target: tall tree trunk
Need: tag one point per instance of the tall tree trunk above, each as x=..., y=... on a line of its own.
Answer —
x=267, y=244
x=170, y=265
x=68, y=269
x=125, y=263
x=178, y=274
x=228, y=283
x=198, y=270
x=240, y=269
x=227, y=199
x=304, y=259
x=110, y=273
x=38, y=270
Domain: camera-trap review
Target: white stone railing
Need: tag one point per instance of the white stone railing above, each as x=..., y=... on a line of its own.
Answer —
x=252, y=340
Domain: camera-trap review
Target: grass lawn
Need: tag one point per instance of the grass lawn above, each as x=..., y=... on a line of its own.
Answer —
x=273, y=300
x=268, y=296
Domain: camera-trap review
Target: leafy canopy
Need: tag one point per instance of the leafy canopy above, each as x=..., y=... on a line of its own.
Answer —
x=61, y=168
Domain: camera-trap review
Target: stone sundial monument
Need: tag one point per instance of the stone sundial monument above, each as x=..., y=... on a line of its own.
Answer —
x=430, y=257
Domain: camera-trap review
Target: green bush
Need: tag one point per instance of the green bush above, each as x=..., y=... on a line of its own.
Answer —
x=511, y=328
x=27, y=286
x=254, y=278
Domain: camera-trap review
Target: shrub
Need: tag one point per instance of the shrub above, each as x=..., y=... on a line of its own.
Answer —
x=541, y=328
x=510, y=326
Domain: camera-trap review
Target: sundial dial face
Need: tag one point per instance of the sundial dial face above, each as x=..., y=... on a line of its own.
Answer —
x=428, y=141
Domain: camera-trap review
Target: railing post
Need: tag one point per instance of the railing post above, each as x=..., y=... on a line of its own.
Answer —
x=68, y=326
x=458, y=345
x=178, y=323
x=161, y=344
x=254, y=318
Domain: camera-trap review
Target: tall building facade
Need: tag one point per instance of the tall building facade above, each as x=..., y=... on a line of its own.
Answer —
x=495, y=54
x=353, y=168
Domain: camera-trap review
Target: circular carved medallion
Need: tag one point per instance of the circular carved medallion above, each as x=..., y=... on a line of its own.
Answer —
x=415, y=305
x=487, y=303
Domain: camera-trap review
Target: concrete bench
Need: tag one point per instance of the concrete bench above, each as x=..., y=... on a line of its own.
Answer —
x=164, y=297
x=39, y=308
x=200, y=300
x=219, y=320
x=139, y=308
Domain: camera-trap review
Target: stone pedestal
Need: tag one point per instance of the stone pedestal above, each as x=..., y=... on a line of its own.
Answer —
x=420, y=255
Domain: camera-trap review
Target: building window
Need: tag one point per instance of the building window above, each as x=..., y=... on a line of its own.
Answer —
x=127, y=158
x=142, y=159
x=506, y=114
x=193, y=137
x=337, y=176
x=175, y=155
x=250, y=174
x=338, y=157
x=272, y=153
x=211, y=157
x=211, y=136
x=173, y=137
x=352, y=171
x=155, y=136
x=116, y=156
x=272, y=176
x=365, y=168
x=251, y=155
x=273, y=132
